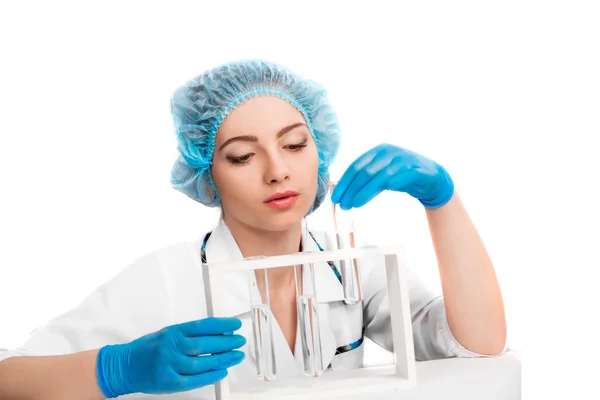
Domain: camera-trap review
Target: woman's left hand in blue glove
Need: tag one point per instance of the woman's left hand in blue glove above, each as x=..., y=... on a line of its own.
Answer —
x=388, y=167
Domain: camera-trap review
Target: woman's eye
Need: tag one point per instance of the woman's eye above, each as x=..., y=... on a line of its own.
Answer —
x=246, y=158
x=239, y=160
x=296, y=147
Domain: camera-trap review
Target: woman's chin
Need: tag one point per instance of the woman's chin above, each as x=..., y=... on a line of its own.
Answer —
x=274, y=219
x=282, y=222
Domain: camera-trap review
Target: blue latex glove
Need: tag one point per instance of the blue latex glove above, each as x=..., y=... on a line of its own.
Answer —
x=388, y=167
x=165, y=361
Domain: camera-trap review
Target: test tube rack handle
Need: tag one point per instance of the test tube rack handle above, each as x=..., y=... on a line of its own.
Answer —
x=368, y=381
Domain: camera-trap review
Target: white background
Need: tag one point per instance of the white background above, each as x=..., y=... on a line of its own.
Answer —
x=505, y=96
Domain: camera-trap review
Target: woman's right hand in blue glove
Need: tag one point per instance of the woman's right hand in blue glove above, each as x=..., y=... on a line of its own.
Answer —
x=175, y=359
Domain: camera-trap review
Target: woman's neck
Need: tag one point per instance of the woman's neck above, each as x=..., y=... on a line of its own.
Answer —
x=259, y=242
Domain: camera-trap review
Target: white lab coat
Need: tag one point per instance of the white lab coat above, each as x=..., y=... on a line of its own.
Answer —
x=165, y=287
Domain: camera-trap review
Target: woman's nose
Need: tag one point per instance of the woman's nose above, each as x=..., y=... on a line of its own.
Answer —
x=277, y=169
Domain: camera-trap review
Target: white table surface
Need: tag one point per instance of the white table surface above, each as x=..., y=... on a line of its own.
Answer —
x=497, y=378
x=466, y=378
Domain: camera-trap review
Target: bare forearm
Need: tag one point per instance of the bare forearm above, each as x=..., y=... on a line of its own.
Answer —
x=63, y=377
x=472, y=296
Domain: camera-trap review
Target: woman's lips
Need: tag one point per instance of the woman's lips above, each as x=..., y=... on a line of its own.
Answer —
x=283, y=202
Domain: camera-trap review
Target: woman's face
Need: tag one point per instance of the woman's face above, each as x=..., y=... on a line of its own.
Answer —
x=264, y=148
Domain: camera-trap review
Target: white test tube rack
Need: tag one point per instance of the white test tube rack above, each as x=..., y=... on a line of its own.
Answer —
x=367, y=381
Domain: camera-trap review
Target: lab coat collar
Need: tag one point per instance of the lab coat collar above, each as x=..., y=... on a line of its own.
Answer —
x=222, y=247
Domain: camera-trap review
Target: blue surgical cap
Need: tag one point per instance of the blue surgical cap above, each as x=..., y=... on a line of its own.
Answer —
x=201, y=105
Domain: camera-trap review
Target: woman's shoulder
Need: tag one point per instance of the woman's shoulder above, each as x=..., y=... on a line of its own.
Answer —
x=183, y=247
x=167, y=259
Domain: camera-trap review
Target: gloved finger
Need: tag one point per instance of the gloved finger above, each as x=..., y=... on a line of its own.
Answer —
x=209, y=326
x=371, y=170
x=186, y=365
x=210, y=344
x=371, y=189
x=360, y=180
x=189, y=382
x=351, y=173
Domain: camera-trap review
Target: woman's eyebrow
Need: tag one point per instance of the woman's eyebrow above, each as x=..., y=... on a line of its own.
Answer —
x=245, y=138
x=252, y=138
x=285, y=130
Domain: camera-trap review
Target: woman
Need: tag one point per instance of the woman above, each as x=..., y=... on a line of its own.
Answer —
x=257, y=141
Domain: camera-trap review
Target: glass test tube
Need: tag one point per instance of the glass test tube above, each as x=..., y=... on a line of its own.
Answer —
x=344, y=233
x=308, y=318
x=262, y=325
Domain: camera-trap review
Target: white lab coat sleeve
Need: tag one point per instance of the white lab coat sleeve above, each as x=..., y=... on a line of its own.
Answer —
x=129, y=305
x=432, y=336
